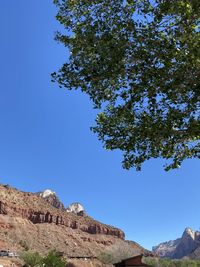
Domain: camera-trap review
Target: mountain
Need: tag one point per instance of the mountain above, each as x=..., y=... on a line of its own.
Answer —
x=51, y=197
x=186, y=246
x=39, y=221
x=76, y=208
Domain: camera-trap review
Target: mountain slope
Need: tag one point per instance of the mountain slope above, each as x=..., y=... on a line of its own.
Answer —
x=29, y=221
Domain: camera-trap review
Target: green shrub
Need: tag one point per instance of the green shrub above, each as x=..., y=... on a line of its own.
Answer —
x=53, y=260
x=32, y=259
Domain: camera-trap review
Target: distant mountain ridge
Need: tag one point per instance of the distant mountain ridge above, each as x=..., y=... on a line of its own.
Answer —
x=186, y=246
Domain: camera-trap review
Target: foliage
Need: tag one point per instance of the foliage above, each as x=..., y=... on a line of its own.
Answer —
x=139, y=61
x=116, y=253
x=172, y=263
x=106, y=257
x=53, y=260
x=32, y=259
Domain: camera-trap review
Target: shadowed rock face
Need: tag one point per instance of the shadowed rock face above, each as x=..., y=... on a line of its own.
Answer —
x=2, y=208
x=181, y=247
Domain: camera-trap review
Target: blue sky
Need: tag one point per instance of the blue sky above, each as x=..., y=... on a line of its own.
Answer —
x=46, y=142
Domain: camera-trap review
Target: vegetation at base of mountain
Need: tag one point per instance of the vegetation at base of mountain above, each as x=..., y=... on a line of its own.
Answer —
x=115, y=253
x=34, y=259
x=106, y=257
x=156, y=262
x=31, y=259
x=53, y=260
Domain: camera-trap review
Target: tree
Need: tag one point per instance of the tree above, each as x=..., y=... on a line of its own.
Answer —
x=139, y=61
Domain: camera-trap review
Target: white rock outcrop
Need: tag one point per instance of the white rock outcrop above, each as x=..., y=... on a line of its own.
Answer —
x=76, y=208
x=47, y=193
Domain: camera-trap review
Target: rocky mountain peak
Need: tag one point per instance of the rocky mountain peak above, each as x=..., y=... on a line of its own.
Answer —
x=76, y=208
x=188, y=233
x=181, y=247
x=47, y=193
x=51, y=197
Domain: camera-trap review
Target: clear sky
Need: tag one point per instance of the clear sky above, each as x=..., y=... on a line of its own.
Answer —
x=46, y=142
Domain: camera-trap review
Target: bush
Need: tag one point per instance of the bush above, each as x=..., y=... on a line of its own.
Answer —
x=53, y=260
x=32, y=259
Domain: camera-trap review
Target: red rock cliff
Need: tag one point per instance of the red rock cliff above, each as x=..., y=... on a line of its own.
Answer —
x=33, y=208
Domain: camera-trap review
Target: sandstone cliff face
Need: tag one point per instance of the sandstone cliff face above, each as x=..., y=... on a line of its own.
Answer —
x=29, y=221
x=90, y=226
x=43, y=213
x=181, y=247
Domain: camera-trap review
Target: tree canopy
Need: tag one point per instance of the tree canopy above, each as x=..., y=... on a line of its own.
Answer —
x=139, y=61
